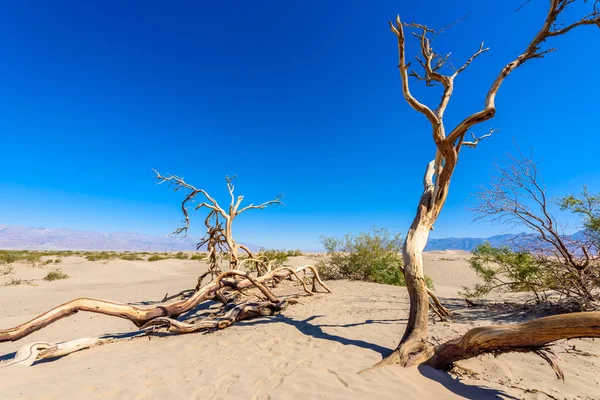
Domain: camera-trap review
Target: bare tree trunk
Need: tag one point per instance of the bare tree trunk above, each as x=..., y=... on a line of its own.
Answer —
x=414, y=339
x=413, y=348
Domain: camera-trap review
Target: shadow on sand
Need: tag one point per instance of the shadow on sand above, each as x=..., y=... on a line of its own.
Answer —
x=306, y=327
x=454, y=385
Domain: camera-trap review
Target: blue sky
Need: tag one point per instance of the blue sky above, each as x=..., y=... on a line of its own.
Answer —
x=300, y=98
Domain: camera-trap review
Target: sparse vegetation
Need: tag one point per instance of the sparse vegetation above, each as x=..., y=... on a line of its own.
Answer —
x=156, y=257
x=294, y=253
x=198, y=256
x=130, y=257
x=181, y=256
x=11, y=256
x=373, y=256
x=56, y=274
x=100, y=255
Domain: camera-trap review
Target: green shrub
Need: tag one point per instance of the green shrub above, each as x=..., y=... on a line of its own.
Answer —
x=100, y=255
x=156, y=257
x=373, y=256
x=294, y=253
x=505, y=270
x=55, y=275
x=130, y=257
x=181, y=256
x=11, y=256
x=198, y=256
x=278, y=257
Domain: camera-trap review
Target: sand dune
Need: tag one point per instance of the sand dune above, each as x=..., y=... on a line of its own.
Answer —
x=312, y=351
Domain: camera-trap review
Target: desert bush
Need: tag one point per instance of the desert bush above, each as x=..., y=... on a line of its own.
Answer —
x=278, y=257
x=198, y=256
x=100, y=255
x=26, y=256
x=63, y=253
x=507, y=270
x=373, y=256
x=55, y=274
x=294, y=253
x=130, y=257
x=156, y=257
x=181, y=256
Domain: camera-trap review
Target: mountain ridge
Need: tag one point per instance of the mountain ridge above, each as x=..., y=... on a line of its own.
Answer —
x=33, y=238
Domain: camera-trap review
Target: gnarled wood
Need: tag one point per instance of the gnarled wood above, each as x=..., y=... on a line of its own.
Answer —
x=439, y=172
x=140, y=315
x=526, y=336
x=238, y=313
x=217, y=237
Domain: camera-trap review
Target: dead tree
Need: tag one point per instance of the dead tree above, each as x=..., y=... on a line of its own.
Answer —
x=217, y=235
x=413, y=347
x=226, y=287
x=165, y=313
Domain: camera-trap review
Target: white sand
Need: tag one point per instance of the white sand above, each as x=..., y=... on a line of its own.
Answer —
x=312, y=351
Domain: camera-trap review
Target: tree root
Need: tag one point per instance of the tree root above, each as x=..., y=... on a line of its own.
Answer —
x=140, y=315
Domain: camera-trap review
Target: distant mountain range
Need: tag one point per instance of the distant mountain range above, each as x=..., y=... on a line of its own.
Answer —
x=24, y=238
x=468, y=243
x=27, y=238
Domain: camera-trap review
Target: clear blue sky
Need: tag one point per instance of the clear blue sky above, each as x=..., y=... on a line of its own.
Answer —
x=295, y=97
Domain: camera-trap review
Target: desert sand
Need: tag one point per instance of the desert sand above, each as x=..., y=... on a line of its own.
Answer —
x=313, y=350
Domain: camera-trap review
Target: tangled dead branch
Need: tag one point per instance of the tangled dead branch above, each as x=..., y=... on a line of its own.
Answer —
x=219, y=238
x=162, y=314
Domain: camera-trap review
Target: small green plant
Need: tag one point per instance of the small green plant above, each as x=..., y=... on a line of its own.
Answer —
x=294, y=253
x=55, y=274
x=198, y=256
x=57, y=261
x=156, y=257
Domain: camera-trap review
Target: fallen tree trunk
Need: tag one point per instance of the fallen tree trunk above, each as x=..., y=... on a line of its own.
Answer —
x=526, y=336
x=140, y=315
x=37, y=351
